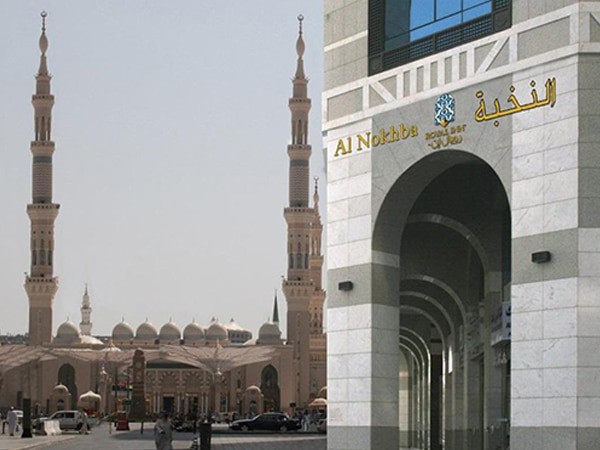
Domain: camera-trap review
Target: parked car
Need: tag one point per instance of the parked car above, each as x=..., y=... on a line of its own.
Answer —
x=68, y=419
x=267, y=421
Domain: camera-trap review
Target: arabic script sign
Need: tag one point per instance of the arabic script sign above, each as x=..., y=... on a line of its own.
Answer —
x=482, y=114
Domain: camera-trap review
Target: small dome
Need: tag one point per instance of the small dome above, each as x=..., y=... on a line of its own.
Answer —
x=170, y=332
x=122, y=332
x=233, y=326
x=269, y=329
x=146, y=332
x=269, y=334
x=193, y=332
x=60, y=389
x=216, y=331
x=67, y=332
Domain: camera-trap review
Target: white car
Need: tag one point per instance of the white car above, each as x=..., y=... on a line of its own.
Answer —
x=69, y=419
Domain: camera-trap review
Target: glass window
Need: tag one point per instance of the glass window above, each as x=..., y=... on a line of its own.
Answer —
x=404, y=30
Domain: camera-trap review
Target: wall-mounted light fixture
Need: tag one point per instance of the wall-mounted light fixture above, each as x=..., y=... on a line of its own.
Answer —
x=345, y=286
x=541, y=257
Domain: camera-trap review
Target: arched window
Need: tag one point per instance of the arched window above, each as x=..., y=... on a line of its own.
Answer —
x=291, y=261
x=405, y=30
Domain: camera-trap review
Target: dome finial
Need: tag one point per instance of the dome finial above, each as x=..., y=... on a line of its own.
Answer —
x=300, y=47
x=43, y=43
x=44, y=14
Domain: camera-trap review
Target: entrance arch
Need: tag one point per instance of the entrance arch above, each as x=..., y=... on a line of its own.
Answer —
x=66, y=377
x=446, y=220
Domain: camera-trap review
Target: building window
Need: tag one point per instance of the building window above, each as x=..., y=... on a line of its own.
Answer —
x=401, y=31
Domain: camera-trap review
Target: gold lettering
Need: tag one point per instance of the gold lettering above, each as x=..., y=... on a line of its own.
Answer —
x=341, y=147
x=376, y=140
x=394, y=135
x=362, y=140
x=414, y=131
x=404, y=132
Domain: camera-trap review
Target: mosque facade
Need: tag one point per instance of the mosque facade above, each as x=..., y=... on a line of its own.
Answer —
x=200, y=369
x=463, y=224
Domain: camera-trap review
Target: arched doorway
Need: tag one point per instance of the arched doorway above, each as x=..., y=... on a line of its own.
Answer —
x=448, y=219
x=269, y=385
x=66, y=377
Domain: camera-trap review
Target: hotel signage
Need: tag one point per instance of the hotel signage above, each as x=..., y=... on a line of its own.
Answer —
x=447, y=135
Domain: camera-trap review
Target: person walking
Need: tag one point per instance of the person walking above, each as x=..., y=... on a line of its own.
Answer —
x=163, y=432
x=12, y=420
x=305, y=420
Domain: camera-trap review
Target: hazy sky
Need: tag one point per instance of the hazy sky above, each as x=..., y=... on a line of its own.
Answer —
x=171, y=125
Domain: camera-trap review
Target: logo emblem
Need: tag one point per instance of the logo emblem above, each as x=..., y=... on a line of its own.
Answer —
x=445, y=110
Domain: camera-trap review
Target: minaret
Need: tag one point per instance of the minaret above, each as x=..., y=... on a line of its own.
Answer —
x=316, y=267
x=275, y=310
x=299, y=287
x=40, y=283
x=86, y=314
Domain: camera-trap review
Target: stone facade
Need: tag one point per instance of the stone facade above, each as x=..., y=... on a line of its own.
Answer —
x=436, y=226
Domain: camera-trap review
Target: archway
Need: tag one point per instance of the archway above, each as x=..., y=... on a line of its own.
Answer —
x=269, y=385
x=447, y=218
x=66, y=377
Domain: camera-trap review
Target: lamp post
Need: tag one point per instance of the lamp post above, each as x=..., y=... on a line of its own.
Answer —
x=103, y=382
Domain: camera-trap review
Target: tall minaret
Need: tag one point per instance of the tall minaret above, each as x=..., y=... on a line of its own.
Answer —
x=299, y=286
x=316, y=267
x=86, y=314
x=40, y=284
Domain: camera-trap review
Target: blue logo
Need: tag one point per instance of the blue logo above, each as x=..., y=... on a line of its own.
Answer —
x=445, y=110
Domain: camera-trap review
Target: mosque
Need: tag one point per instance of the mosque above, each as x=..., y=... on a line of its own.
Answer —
x=213, y=368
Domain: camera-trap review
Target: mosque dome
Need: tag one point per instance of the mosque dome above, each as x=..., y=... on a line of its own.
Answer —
x=193, y=332
x=216, y=331
x=269, y=329
x=146, y=332
x=269, y=333
x=233, y=326
x=170, y=332
x=122, y=332
x=67, y=333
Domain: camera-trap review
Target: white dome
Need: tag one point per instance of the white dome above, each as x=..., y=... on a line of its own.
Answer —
x=122, y=332
x=67, y=332
x=193, y=332
x=216, y=331
x=170, y=332
x=233, y=326
x=146, y=332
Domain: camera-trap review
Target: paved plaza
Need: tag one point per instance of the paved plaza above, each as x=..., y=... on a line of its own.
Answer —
x=101, y=439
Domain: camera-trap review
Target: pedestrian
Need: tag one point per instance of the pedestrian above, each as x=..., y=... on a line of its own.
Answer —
x=12, y=419
x=163, y=432
x=305, y=420
x=85, y=426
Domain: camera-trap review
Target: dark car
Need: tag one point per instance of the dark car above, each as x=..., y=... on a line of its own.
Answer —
x=267, y=421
